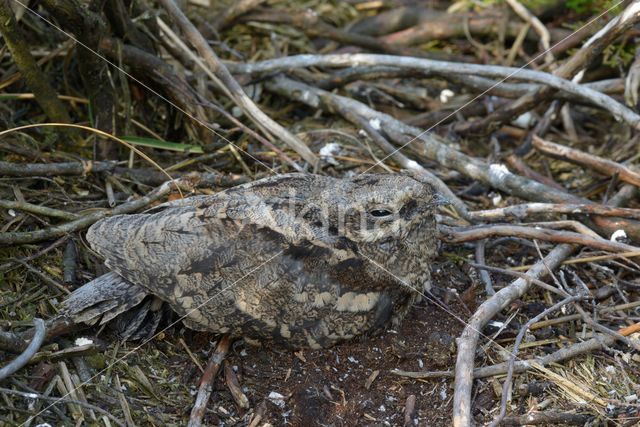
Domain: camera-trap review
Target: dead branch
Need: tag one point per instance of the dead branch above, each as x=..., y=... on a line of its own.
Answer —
x=33, y=347
x=313, y=26
x=143, y=176
x=44, y=93
x=232, y=12
x=469, y=338
x=18, y=238
x=37, y=209
x=598, y=342
x=481, y=262
x=231, y=379
x=547, y=418
x=577, y=62
x=410, y=165
x=49, y=169
x=525, y=210
x=152, y=69
x=221, y=76
x=55, y=400
x=578, y=157
x=206, y=383
x=441, y=68
x=461, y=235
x=435, y=148
x=506, y=386
x=442, y=26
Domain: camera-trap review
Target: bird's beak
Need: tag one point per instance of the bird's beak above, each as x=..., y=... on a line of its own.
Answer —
x=438, y=200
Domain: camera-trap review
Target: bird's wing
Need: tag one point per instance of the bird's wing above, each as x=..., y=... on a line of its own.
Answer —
x=202, y=244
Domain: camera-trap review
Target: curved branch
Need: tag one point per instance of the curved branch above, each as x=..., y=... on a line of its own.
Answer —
x=467, y=234
x=17, y=363
x=469, y=338
x=618, y=110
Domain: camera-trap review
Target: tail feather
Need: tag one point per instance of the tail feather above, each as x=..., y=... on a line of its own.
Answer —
x=103, y=299
x=140, y=323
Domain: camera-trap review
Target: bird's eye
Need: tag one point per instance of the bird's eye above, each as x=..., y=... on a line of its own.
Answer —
x=380, y=213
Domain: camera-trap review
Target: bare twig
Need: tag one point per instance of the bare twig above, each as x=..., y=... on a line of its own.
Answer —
x=484, y=274
x=586, y=347
x=229, y=14
x=599, y=164
x=538, y=26
x=546, y=418
x=412, y=166
x=524, y=276
x=37, y=209
x=461, y=235
x=233, y=384
x=48, y=169
x=85, y=221
x=432, y=147
x=506, y=386
x=223, y=78
x=206, y=383
x=442, y=67
x=23, y=359
x=469, y=338
x=523, y=211
x=313, y=25
x=31, y=395
x=572, y=67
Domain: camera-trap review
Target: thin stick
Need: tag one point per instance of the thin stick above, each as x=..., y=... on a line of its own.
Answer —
x=37, y=209
x=506, y=386
x=599, y=164
x=20, y=361
x=47, y=169
x=442, y=67
x=221, y=76
x=481, y=263
x=32, y=395
x=18, y=238
x=206, y=383
x=412, y=166
x=586, y=347
x=523, y=211
x=460, y=235
x=468, y=340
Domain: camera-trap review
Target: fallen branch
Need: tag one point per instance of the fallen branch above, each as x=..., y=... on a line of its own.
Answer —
x=506, y=386
x=461, y=235
x=432, y=147
x=441, y=67
x=17, y=238
x=596, y=343
x=547, y=418
x=206, y=383
x=420, y=172
x=216, y=70
x=37, y=209
x=31, y=395
x=467, y=342
x=20, y=361
x=525, y=210
x=588, y=53
x=314, y=26
x=53, y=169
x=599, y=164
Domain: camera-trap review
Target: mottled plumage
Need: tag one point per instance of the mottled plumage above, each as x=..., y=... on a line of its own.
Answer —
x=289, y=259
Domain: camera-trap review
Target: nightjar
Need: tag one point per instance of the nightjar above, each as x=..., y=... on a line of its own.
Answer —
x=300, y=261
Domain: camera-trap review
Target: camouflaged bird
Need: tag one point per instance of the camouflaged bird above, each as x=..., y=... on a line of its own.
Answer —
x=301, y=261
